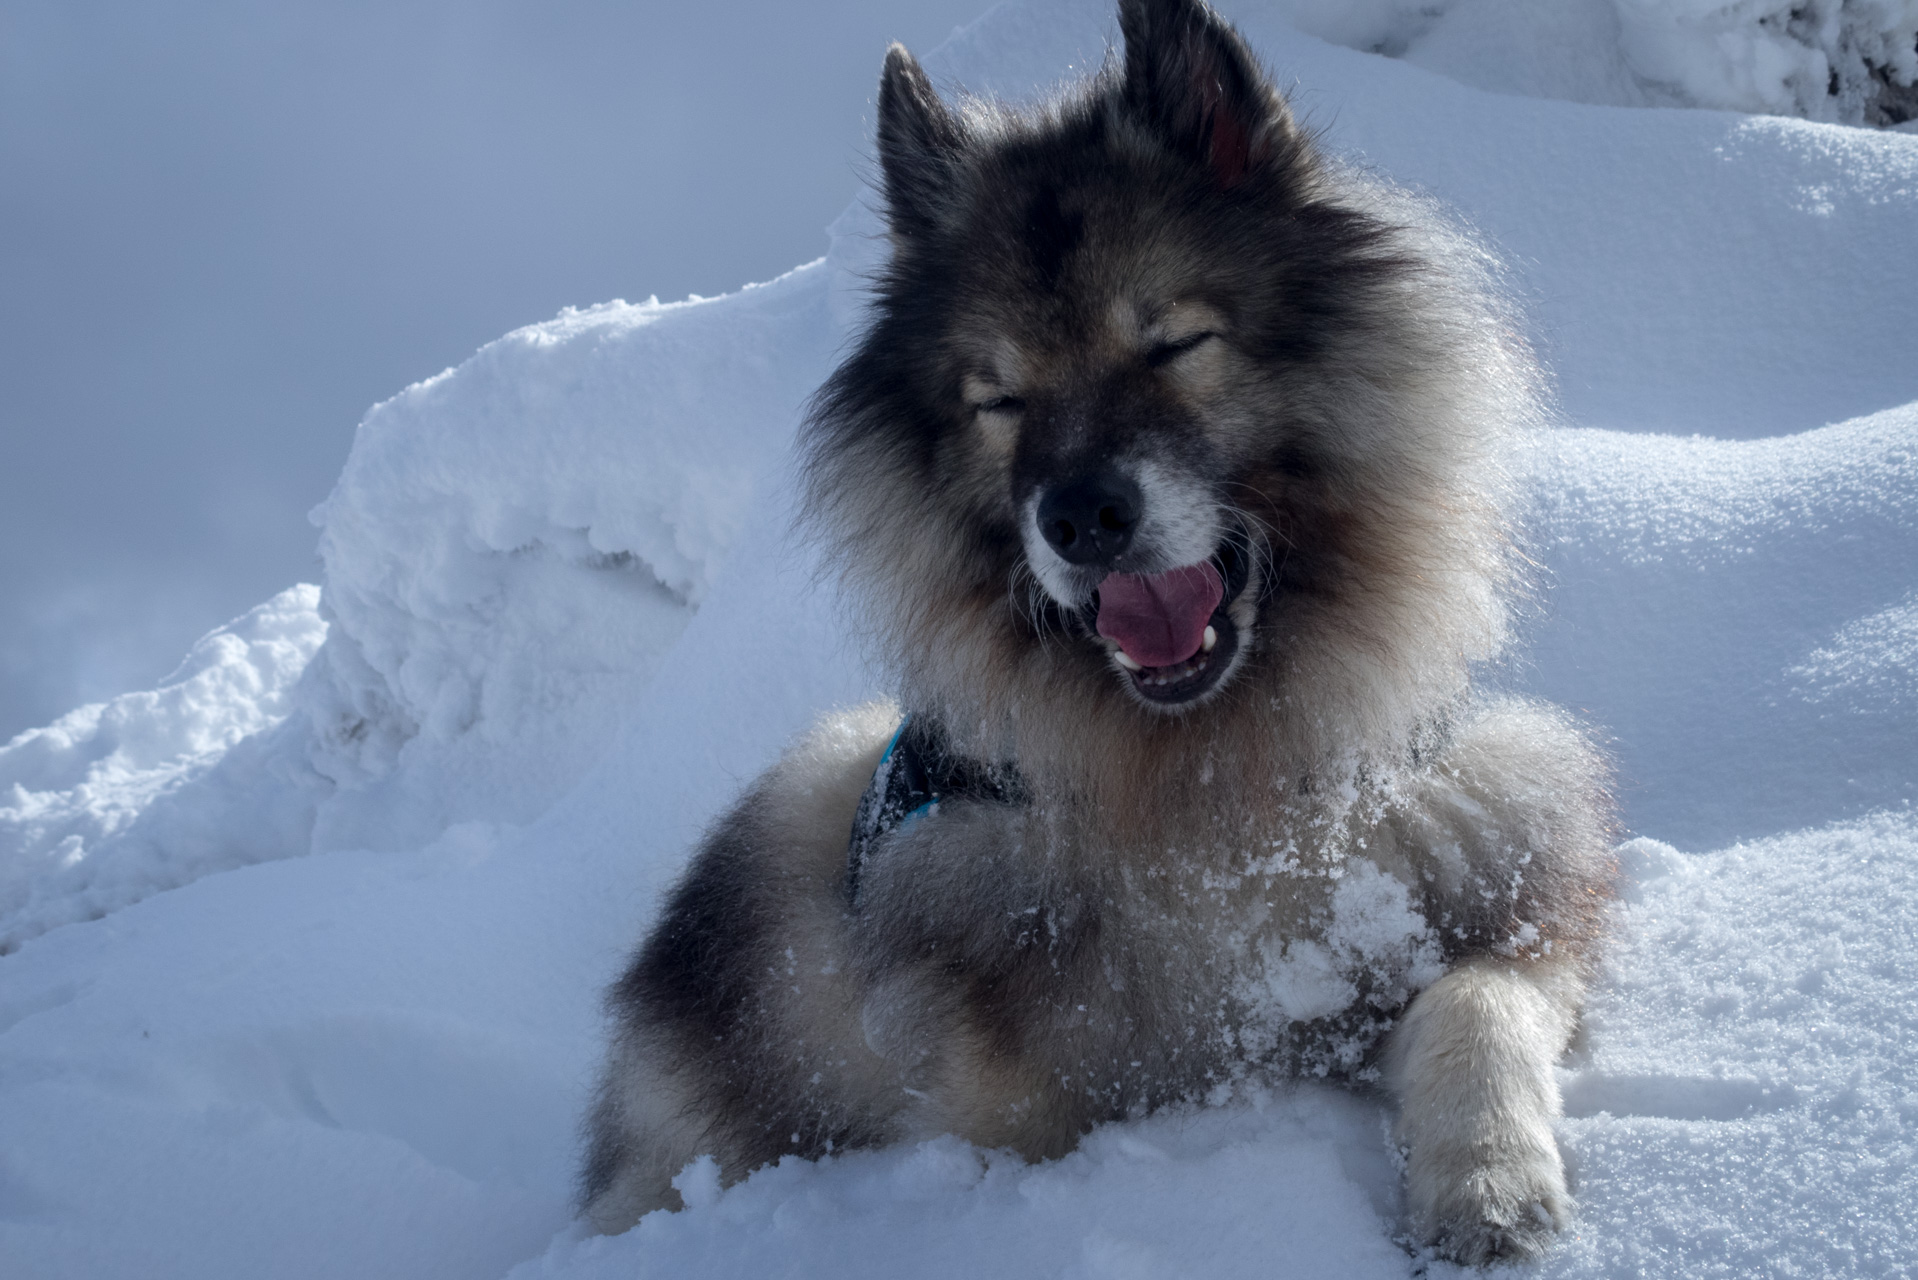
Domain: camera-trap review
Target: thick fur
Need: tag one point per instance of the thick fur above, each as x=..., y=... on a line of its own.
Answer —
x=1326, y=856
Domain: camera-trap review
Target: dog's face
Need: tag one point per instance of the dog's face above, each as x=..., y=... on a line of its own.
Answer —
x=1098, y=358
x=1103, y=421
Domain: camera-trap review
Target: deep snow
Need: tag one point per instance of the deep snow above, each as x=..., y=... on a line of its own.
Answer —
x=563, y=623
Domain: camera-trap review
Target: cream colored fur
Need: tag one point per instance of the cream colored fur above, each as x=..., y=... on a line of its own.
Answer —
x=1472, y=1064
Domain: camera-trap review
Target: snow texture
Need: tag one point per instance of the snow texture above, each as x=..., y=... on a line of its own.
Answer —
x=509, y=543
x=1840, y=61
x=409, y=825
x=124, y=798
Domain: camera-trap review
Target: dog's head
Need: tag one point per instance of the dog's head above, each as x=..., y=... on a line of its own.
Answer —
x=1151, y=395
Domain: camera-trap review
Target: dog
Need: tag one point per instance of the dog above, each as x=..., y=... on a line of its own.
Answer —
x=1168, y=474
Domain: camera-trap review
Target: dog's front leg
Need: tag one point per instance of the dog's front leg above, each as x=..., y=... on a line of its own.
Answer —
x=1472, y=1064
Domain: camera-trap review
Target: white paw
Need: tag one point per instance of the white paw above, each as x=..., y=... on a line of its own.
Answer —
x=1480, y=1203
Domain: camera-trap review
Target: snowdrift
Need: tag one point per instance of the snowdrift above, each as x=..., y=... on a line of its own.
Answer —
x=410, y=823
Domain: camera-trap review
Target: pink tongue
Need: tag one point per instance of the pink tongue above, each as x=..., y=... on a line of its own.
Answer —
x=1159, y=620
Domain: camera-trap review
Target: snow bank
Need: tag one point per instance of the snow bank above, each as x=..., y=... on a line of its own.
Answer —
x=564, y=620
x=1841, y=61
x=1737, y=617
x=514, y=546
x=1846, y=61
x=111, y=802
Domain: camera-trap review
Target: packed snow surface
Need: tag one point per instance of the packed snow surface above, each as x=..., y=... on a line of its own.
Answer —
x=408, y=825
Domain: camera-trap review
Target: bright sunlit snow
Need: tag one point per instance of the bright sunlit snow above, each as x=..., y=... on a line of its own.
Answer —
x=304, y=947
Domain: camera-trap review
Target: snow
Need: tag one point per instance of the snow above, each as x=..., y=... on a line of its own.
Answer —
x=1745, y=1100
x=1840, y=61
x=507, y=540
x=1187, y=1194
x=112, y=802
x=408, y=825
x=1731, y=613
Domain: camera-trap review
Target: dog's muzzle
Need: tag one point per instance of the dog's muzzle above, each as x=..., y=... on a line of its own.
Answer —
x=1173, y=634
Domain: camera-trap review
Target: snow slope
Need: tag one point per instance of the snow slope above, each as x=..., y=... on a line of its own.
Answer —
x=563, y=621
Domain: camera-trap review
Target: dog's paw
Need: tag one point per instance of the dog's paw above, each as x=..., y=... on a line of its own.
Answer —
x=1476, y=1206
x=1518, y=1234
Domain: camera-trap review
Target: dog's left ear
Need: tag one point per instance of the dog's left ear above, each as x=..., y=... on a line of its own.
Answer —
x=1189, y=76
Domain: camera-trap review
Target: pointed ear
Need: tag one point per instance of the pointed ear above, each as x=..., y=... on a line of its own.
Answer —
x=1189, y=76
x=919, y=143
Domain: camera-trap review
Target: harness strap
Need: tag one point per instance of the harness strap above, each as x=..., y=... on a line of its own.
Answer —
x=917, y=773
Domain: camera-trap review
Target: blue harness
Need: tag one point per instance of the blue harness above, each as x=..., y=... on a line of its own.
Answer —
x=918, y=772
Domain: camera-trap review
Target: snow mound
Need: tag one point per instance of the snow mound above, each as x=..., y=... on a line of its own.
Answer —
x=105, y=805
x=1838, y=61
x=1736, y=616
x=1843, y=61
x=514, y=545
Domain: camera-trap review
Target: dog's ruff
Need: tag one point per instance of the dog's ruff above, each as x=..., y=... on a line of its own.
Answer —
x=1169, y=474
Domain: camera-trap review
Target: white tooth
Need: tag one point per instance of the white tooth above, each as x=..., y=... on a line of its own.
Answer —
x=1125, y=660
x=1211, y=638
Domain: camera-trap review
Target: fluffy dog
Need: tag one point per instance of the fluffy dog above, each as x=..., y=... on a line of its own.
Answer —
x=1168, y=471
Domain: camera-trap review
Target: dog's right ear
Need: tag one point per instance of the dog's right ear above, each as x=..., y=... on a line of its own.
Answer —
x=920, y=141
x=1190, y=76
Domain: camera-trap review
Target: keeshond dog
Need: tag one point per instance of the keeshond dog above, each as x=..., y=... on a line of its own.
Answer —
x=1168, y=475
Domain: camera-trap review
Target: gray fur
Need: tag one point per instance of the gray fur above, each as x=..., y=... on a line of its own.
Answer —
x=1327, y=857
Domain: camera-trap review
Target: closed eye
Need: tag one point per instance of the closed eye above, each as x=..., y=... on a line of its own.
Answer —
x=1166, y=352
x=1000, y=404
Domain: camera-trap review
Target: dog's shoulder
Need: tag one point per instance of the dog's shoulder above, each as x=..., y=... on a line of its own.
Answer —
x=1506, y=824
x=818, y=782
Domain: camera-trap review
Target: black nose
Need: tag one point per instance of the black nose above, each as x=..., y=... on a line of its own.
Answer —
x=1090, y=518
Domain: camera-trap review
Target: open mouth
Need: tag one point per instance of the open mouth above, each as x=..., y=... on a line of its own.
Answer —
x=1171, y=632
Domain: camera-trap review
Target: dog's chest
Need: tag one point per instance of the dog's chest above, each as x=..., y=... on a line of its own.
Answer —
x=1299, y=968
x=1193, y=964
